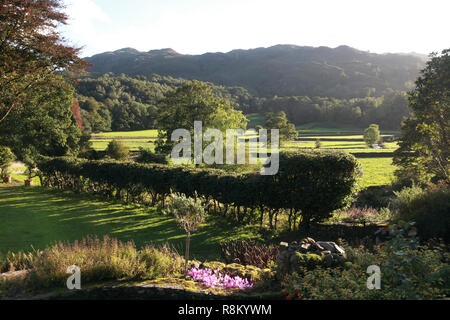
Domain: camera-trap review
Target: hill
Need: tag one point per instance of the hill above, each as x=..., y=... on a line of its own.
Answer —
x=283, y=70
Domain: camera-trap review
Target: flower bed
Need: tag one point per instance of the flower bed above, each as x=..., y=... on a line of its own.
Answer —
x=214, y=278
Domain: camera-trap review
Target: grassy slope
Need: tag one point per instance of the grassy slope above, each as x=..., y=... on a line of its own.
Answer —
x=38, y=217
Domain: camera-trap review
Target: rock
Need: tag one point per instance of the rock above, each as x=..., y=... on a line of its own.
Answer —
x=309, y=253
x=284, y=245
x=328, y=246
x=339, y=249
x=306, y=246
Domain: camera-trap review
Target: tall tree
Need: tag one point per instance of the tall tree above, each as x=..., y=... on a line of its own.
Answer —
x=31, y=50
x=44, y=125
x=279, y=121
x=194, y=101
x=372, y=135
x=425, y=142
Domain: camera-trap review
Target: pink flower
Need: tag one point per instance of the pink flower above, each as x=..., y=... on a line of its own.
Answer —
x=215, y=279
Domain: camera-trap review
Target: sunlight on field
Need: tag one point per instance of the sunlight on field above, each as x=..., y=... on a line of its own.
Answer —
x=127, y=134
x=377, y=170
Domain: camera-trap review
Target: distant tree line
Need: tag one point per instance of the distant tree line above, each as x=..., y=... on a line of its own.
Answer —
x=121, y=103
x=387, y=111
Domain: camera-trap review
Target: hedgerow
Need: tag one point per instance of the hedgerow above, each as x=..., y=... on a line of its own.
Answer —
x=308, y=187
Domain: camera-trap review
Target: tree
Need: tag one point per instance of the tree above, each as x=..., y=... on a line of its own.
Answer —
x=279, y=121
x=31, y=50
x=372, y=135
x=189, y=214
x=194, y=101
x=318, y=144
x=117, y=150
x=6, y=158
x=424, y=145
x=45, y=124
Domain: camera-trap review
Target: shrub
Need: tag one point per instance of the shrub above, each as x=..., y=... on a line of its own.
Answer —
x=315, y=184
x=117, y=150
x=161, y=262
x=248, y=253
x=189, y=214
x=376, y=197
x=408, y=271
x=148, y=156
x=429, y=208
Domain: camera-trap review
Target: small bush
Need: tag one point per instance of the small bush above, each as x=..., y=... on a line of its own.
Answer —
x=429, y=208
x=148, y=156
x=248, y=253
x=376, y=197
x=117, y=150
x=189, y=214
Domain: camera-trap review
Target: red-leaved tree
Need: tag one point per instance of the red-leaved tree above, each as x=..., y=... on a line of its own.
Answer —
x=31, y=49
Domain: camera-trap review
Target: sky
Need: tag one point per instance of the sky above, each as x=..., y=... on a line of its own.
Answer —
x=201, y=26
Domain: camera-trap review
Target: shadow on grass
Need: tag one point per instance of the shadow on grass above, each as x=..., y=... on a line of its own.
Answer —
x=38, y=217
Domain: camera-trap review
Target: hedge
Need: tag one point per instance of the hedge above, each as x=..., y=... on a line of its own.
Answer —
x=309, y=185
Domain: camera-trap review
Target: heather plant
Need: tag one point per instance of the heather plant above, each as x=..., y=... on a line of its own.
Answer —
x=98, y=260
x=189, y=214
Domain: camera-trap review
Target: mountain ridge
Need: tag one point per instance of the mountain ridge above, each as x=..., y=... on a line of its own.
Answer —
x=284, y=70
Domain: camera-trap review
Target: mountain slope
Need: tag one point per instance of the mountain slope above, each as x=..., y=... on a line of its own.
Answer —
x=283, y=70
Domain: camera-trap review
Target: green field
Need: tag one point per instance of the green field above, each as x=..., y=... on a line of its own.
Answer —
x=376, y=170
x=39, y=217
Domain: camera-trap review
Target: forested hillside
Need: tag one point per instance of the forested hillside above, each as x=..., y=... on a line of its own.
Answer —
x=282, y=70
x=120, y=103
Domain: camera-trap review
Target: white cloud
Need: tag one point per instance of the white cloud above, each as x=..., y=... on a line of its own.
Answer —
x=85, y=17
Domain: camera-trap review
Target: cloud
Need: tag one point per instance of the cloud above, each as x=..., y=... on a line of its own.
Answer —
x=85, y=17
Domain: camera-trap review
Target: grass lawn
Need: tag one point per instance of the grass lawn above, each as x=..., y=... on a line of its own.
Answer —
x=40, y=217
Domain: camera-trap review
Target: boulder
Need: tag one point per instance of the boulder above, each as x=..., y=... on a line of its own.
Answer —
x=308, y=253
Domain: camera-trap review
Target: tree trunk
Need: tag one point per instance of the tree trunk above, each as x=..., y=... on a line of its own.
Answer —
x=188, y=243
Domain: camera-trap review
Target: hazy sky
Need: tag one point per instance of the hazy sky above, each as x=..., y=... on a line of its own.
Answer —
x=200, y=26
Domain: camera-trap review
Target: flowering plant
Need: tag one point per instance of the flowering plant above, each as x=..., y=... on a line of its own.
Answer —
x=214, y=279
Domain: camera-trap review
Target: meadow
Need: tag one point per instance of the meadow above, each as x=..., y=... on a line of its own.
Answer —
x=377, y=170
